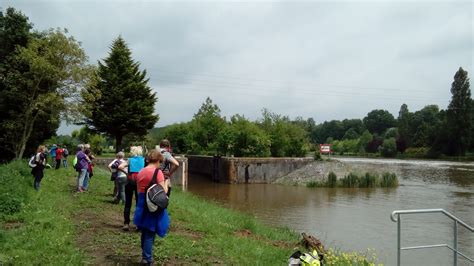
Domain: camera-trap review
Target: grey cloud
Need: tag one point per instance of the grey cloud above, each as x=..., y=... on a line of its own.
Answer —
x=312, y=59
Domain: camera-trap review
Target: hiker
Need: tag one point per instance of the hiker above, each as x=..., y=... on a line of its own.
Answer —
x=40, y=163
x=52, y=152
x=170, y=164
x=81, y=167
x=90, y=167
x=119, y=177
x=135, y=163
x=59, y=154
x=150, y=223
x=65, y=155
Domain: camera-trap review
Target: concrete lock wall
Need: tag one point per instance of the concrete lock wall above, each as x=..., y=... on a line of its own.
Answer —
x=244, y=170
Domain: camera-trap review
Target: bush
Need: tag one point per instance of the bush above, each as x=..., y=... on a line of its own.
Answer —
x=15, y=178
x=388, y=148
x=317, y=155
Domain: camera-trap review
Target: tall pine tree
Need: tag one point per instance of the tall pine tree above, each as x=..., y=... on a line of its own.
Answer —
x=119, y=102
x=459, y=114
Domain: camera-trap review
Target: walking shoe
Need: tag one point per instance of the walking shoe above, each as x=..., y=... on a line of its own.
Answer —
x=126, y=227
x=145, y=262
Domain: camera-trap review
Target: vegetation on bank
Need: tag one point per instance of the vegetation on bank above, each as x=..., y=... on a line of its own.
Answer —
x=58, y=226
x=354, y=180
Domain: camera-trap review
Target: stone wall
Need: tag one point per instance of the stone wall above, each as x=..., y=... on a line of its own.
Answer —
x=244, y=170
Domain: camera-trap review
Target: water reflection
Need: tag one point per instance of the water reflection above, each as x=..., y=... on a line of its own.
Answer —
x=357, y=219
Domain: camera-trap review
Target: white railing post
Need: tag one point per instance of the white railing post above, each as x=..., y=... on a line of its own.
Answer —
x=399, y=238
x=455, y=252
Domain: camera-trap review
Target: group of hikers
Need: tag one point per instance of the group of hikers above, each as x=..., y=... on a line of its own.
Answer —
x=132, y=177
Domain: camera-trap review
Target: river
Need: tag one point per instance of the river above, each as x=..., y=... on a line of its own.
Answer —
x=358, y=219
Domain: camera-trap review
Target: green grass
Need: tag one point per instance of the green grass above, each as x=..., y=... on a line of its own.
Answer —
x=57, y=226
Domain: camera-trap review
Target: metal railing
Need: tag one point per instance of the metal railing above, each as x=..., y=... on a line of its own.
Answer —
x=454, y=248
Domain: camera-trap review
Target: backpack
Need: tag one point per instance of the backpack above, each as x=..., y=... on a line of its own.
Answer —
x=311, y=258
x=76, y=164
x=156, y=198
x=32, y=162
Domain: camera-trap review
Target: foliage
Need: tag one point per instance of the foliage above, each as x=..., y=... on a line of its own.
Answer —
x=243, y=138
x=417, y=152
x=339, y=258
x=287, y=139
x=368, y=180
x=14, y=181
x=459, y=119
x=355, y=180
x=350, y=180
x=118, y=101
x=389, y=180
x=332, y=180
x=317, y=155
x=350, y=134
x=206, y=126
x=40, y=73
x=388, y=148
x=377, y=121
x=364, y=141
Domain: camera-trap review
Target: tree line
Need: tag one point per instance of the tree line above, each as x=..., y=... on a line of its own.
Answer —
x=429, y=132
x=45, y=78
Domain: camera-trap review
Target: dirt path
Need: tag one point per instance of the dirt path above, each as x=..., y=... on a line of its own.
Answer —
x=98, y=224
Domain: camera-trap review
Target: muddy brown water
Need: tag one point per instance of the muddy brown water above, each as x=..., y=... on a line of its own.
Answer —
x=358, y=219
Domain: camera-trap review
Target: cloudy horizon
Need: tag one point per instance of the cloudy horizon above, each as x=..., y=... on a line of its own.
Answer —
x=310, y=59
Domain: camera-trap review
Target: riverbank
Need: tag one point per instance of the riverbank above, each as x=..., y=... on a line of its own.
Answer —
x=59, y=226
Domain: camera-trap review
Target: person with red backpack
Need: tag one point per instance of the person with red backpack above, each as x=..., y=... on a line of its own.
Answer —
x=151, y=223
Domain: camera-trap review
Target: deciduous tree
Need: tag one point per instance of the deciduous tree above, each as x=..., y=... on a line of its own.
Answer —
x=39, y=72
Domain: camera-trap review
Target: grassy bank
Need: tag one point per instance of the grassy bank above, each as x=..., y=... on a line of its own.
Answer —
x=58, y=226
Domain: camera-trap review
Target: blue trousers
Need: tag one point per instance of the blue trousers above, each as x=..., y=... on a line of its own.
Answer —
x=147, y=240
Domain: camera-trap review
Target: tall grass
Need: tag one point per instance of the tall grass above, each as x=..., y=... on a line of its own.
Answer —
x=389, y=180
x=353, y=180
x=332, y=180
x=34, y=226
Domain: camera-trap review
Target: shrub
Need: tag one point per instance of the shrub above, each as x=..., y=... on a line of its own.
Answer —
x=317, y=155
x=388, y=148
x=14, y=183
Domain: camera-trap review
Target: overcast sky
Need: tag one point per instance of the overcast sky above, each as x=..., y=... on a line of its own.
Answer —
x=325, y=60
